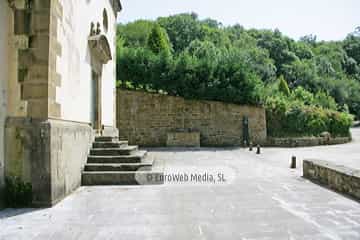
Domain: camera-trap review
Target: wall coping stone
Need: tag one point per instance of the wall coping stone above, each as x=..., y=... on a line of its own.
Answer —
x=305, y=141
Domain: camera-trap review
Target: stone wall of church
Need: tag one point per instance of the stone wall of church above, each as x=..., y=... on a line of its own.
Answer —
x=147, y=119
x=4, y=42
x=75, y=93
x=49, y=92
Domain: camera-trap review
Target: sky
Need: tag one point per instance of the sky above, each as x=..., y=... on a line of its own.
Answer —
x=327, y=19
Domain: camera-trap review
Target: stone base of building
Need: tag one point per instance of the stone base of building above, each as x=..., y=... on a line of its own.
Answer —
x=49, y=154
x=110, y=131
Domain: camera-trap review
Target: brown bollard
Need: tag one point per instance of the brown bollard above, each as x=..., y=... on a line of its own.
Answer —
x=258, y=150
x=250, y=146
x=293, y=162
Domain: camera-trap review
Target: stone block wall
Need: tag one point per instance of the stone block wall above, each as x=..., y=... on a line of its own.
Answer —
x=339, y=178
x=183, y=139
x=146, y=119
x=70, y=144
x=306, y=141
x=49, y=154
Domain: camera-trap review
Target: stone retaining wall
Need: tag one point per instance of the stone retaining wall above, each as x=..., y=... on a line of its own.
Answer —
x=183, y=139
x=146, y=119
x=305, y=141
x=339, y=178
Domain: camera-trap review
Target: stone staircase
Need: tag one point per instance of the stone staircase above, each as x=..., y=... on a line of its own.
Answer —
x=114, y=162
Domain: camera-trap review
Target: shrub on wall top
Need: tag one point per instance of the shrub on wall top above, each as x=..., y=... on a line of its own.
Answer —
x=188, y=75
x=286, y=117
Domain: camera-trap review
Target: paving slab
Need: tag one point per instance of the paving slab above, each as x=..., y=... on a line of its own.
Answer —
x=262, y=199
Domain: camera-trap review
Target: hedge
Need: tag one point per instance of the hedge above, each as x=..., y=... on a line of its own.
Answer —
x=293, y=118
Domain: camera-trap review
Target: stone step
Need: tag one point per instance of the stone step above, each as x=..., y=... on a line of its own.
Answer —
x=122, y=178
x=136, y=157
x=105, y=139
x=114, y=144
x=110, y=167
x=127, y=150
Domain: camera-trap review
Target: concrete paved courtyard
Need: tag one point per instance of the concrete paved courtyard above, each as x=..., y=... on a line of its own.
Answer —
x=263, y=200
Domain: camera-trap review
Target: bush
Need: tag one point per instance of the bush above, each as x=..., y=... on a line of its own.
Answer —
x=287, y=117
x=322, y=99
x=17, y=193
x=340, y=123
x=300, y=94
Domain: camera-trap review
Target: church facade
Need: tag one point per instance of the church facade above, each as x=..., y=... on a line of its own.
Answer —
x=57, y=90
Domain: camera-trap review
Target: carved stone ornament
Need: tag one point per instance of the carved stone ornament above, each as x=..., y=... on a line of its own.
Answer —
x=100, y=48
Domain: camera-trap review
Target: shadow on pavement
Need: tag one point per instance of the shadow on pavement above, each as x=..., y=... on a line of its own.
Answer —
x=332, y=190
x=12, y=212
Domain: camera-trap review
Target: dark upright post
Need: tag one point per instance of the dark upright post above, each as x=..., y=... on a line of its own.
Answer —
x=246, y=130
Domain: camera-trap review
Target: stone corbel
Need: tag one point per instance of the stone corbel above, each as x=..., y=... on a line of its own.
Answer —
x=100, y=48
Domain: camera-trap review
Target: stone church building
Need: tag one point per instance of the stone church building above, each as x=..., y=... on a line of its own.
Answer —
x=57, y=90
x=58, y=123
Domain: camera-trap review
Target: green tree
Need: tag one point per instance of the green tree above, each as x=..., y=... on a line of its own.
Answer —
x=352, y=46
x=283, y=86
x=300, y=73
x=309, y=39
x=158, y=40
x=135, y=34
x=182, y=30
x=278, y=47
x=302, y=50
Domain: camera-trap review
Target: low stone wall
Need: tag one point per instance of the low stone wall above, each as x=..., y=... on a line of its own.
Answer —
x=49, y=154
x=305, y=141
x=146, y=119
x=339, y=178
x=70, y=144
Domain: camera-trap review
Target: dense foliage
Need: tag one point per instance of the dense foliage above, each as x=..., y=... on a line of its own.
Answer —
x=303, y=113
x=184, y=56
x=222, y=77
